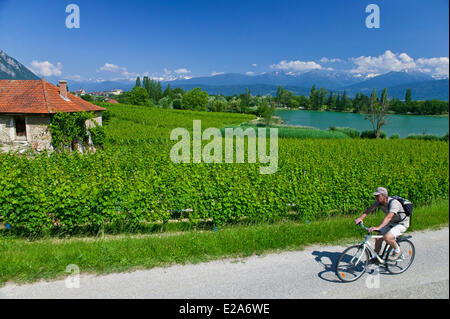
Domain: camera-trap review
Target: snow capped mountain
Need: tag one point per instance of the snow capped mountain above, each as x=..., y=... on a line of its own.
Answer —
x=391, y=79
x=320, y=78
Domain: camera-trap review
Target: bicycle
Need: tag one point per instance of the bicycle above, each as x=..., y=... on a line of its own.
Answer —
x=353, y=261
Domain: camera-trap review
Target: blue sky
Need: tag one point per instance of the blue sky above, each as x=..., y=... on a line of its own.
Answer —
x=164, y=39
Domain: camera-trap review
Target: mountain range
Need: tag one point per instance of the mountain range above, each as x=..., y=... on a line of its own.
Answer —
x=423, y=86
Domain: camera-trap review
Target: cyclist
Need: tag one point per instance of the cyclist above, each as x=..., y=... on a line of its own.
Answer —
x=393, y=225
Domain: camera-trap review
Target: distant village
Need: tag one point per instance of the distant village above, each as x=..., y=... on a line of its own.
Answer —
x=106, y=96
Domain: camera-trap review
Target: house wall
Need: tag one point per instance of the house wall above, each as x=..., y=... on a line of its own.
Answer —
x=97, y=118
x=7, y=131
x=38, y=132
x=90, y=123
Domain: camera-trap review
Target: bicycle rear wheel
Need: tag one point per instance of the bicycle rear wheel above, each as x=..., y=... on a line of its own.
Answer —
x=352, y=263
x=402, y=264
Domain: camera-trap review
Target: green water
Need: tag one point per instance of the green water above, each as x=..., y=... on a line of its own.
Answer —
x=396, y=124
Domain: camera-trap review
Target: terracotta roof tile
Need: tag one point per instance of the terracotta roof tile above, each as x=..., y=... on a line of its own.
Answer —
x=39, y=96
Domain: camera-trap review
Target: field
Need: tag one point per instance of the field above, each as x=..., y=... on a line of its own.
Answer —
x=132, y=181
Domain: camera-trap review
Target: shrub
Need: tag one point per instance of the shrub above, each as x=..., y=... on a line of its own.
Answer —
x=426, y=137
x=177, y=104
x=66, y=128
x=371, y=134
x=98, y=135
x=395, y=137
x=106, y=116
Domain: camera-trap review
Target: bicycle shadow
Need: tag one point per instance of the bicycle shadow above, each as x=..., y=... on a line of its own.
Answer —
x=328, y=274
x=328, y=260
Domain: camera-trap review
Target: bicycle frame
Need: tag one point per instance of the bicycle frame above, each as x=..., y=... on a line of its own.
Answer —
x=372, y=252
x=368, y=246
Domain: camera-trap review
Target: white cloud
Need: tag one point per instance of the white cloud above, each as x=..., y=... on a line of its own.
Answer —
x=254, y=65
x=217, y=73
x=182, y=71
x=371, y=75
x=170, y=75
x=327, y=60
x=46, y=68
x=437, y=66
x=109, y=67
x=386, y=62
x=249, y=73
x=389, y=61
x=297, y=66
x=75, y=77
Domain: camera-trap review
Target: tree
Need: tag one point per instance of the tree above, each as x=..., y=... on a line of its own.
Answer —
x=339, y=105
x=87, y=97
x=153, y=88
x=218, y=104
x=168, y=92
x=177, y=93
x=279, y=93
x=321, y=94
x=195, y=99
x=302, y=101
x=165, y=102
x=330, y=101
x=313, y=97
x=344, y=101
x=177, y=104
x=408, y=96
x=376, y=111
x=247, y=97
x=137, y=96
x=266, y=112
x=234, y=104
x=138, y=82
x=286, y=97
x=359, y=102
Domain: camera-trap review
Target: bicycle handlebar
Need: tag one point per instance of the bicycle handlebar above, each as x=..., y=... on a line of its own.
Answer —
x=365, y=228
x=362, y=225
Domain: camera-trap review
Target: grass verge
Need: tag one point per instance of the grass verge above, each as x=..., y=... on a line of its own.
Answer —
x=23, y=261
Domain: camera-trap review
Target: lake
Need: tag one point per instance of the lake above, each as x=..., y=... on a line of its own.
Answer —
x=396, y=123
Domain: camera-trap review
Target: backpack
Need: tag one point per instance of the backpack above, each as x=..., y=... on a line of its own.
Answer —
x=406, y=204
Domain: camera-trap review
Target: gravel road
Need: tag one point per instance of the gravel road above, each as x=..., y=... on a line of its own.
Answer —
x=295, y=274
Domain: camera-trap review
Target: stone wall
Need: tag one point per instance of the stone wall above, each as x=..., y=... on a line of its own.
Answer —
x=7, y=132
x=38, y=132
x=97, y=118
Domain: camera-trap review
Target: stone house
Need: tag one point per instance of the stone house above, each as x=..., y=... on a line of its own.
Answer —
x=27, y=107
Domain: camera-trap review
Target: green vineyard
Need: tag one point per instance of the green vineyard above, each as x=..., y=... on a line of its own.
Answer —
x=132, y=180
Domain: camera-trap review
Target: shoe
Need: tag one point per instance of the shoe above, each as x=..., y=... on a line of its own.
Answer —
x=396, y=256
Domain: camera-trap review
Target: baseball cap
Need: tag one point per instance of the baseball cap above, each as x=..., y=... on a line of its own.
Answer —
x=381, y=191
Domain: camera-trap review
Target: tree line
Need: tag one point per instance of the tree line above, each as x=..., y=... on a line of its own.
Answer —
x=149, y=92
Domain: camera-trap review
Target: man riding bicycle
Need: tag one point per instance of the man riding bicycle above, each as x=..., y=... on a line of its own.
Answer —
x=393, y=225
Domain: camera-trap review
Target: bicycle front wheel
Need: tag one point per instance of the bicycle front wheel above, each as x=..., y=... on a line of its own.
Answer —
x=400, y=265
x=352, y=263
